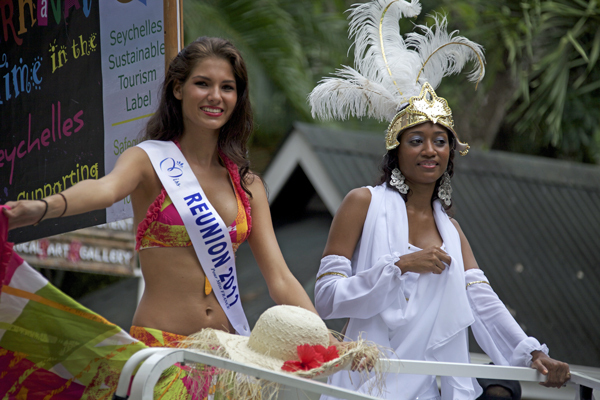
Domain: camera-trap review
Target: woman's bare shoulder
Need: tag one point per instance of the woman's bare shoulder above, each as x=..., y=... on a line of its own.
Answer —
x=457, y=226
x=348, y=223
x=468, y=256
x=255, y=184
x=359, y=198
x=133, y=162
x=252, y=179
x=134, y=154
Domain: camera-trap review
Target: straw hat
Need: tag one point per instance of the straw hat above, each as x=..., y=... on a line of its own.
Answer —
x=285, y=339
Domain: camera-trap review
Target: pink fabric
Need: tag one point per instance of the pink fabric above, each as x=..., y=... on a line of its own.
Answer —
x=9, y=261
x=151, y=216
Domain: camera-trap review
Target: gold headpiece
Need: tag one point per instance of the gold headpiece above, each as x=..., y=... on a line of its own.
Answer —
x=391, y=71
x=425, y=107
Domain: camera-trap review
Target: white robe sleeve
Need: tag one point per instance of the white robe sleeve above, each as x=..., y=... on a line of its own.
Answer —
x=338, y=294
x=495, y=330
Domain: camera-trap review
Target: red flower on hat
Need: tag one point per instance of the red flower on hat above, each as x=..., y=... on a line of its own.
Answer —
x=328, y=353
x=310, y=357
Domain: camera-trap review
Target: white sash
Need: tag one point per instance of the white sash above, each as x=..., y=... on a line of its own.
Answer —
x=207, y=231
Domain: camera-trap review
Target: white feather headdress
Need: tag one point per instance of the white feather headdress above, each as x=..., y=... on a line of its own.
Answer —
x=390, y=71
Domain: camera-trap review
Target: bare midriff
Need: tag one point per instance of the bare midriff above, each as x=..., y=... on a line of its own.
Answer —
x=174, y=299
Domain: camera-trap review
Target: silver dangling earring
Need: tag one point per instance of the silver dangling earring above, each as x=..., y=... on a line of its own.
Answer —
x=445, y=190
x=397, y=181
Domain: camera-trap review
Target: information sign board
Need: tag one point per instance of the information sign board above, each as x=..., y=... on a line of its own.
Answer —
x=78, y=80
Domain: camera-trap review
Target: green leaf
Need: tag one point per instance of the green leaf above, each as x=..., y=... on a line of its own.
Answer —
x=577, y=46
x=589, y=88
x=595, y=51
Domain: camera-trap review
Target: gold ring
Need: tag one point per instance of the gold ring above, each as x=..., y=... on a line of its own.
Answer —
x=568, y=375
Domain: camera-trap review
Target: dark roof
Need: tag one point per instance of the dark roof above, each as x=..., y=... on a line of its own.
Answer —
x=352, y=158
x=533, y=224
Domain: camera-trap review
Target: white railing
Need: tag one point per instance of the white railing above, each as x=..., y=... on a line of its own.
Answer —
x=155, y=360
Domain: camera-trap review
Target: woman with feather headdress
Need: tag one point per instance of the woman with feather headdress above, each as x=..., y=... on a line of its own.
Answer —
x=395, y=263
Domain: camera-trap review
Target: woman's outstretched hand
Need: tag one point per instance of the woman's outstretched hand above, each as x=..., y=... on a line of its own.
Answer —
x=556, y=372
x=23, y=213
x=432, y=260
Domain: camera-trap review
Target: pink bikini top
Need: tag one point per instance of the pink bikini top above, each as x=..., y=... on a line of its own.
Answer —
x=163, y=226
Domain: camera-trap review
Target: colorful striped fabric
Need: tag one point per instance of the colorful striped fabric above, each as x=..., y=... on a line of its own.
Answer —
x=179, y=381
x=51, y=347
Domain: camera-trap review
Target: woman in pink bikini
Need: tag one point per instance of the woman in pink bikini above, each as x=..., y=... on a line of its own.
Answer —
x=189, y=183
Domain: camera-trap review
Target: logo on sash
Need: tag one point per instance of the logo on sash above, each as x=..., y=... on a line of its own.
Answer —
x=172, y=168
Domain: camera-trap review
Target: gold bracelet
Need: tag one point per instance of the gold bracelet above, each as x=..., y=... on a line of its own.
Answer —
x=331, y=273
x=473, y=283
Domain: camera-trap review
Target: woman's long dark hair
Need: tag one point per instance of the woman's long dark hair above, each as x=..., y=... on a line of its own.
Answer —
x=390, y=161
x=167, y=122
